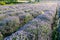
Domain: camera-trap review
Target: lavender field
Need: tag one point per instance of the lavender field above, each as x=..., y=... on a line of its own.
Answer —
x=39, y=21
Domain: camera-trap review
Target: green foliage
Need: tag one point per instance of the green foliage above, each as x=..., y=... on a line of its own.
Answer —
x=2, y=3
x=54, y=27
x=10, y=0
x=54, y=34
x=14, y=39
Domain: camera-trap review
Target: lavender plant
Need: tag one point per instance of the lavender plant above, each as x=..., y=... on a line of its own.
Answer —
x=9, y=25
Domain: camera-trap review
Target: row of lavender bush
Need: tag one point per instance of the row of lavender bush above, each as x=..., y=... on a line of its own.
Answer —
x=39, y=28
x=13, y=17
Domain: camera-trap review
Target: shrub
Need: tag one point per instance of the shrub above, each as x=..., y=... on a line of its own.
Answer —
x=9, y=25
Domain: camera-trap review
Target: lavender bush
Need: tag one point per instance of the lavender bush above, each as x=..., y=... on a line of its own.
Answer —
x=37, y=29
x=9, y=24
